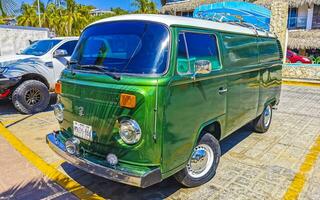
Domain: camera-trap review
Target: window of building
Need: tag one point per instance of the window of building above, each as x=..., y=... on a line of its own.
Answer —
x=316, y=17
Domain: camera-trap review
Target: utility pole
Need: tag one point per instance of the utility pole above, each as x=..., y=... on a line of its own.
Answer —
x=39, y=13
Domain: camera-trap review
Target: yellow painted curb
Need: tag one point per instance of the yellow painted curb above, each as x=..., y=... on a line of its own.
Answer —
x=51, y=172
x=299, y=180
x=300, y=83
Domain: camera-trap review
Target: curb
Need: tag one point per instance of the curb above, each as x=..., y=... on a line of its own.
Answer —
x=299, y=82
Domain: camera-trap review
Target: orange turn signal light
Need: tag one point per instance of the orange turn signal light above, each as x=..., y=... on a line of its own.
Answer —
x=58, y=88
x=128, y=100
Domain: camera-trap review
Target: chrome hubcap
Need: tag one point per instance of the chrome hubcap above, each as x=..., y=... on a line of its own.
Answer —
x=201, y=161
x=33, y=96
x=267, y=116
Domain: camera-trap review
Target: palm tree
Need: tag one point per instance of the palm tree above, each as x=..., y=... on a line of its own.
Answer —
x=29, y=16
x=145, y=6
x=7, y=7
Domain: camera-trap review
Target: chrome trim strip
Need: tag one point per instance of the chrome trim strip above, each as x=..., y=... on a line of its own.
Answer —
x=146, y=180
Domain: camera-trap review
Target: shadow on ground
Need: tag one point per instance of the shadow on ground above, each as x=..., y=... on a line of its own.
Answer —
x=112, y=190
x=109, y=189
x=7, y=108
x=35, y=189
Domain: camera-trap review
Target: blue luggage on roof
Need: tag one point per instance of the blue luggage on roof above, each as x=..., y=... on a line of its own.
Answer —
x=238, y=12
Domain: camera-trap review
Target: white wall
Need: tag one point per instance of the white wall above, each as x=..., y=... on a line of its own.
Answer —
x=15, y=38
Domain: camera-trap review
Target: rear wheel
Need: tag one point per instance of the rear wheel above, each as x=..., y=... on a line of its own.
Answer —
x=202, y=164
x=262, y=123
x=31, y=97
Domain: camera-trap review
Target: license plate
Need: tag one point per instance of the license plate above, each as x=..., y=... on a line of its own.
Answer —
x=82, y=130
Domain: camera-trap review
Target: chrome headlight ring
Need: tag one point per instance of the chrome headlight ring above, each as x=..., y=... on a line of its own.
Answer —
x=130, y=131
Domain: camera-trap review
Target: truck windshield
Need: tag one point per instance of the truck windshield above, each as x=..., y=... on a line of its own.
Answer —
x=40, y=47
x=131, y=47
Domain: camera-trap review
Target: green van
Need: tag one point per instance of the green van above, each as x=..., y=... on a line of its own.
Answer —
x=150, y=96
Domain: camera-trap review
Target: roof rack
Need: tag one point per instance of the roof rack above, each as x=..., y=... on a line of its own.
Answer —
x=237, y=13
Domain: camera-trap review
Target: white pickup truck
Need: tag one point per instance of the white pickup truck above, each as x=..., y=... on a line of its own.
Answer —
x=28, y=77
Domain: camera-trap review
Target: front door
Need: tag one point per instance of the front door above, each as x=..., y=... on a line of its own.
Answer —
x=192, y=99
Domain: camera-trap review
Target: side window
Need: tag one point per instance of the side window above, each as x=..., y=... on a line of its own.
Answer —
x=240, y=50
x=69, y=46
x=197, y=50
x=269, y=50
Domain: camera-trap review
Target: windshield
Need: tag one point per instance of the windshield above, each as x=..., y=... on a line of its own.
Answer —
x=40, y=47
x=133, y=47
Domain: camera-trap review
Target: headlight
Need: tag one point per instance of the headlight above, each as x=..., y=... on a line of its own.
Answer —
x=58, y=111
x=130, y=131
x=3, y=70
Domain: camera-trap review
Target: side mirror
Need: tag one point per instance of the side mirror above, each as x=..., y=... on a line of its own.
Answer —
x=60, y=53
x=202, y=67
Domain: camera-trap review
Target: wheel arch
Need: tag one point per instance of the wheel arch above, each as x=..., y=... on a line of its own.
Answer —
x=213, y=127
x=33, y=76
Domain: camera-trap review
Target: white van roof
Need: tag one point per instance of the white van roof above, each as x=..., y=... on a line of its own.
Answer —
x=170, y=20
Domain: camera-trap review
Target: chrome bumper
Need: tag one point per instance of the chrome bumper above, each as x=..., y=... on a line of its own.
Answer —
x=147, y=179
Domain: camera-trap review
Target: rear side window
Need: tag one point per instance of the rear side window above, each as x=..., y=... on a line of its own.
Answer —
x=195, y=47
x=269, y=50
x=240, y=50
x=69, y=46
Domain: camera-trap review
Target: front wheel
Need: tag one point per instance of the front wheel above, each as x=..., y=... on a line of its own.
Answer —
x=202, y=164
x=31, y=97
x=262, y=123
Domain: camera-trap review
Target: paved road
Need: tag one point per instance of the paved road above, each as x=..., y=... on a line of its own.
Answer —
x=284, y=161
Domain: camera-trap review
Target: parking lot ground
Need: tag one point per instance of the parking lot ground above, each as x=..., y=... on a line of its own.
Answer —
x=19, y=179
x=283, y=163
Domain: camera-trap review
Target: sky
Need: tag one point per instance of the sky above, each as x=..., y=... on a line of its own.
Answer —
x=102, y=4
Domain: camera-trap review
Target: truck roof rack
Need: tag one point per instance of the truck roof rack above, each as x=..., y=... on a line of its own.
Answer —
x=242, y=14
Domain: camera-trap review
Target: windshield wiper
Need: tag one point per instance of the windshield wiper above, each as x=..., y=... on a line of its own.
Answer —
x=104, y=71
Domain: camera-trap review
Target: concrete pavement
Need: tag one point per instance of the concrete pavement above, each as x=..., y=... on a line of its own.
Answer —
x=283, y=163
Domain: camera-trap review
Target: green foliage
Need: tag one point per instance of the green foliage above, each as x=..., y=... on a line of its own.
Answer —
x=71, y=19
x=145, y=6
x=315, y=60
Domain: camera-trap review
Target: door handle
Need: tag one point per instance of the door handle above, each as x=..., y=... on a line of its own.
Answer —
x=222, y=90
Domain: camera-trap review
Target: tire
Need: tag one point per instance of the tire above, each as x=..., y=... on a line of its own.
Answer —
x=262, y=123
x=188, y=177
x=31, y=97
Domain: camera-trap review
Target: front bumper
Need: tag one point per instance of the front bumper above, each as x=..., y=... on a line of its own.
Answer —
x=115, y=174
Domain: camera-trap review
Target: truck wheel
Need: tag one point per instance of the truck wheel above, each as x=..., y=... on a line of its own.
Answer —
x=262, y=123
x=203, y=163
x=31, y=97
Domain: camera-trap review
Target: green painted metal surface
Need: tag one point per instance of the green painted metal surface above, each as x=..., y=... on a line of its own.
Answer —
x=172, y=109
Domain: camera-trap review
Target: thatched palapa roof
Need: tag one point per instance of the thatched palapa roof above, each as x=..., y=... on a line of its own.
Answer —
x=300, y=39
x=292, y=3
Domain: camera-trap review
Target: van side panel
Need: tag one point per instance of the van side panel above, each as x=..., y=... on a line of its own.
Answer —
x=270, y=80
x=240, y=53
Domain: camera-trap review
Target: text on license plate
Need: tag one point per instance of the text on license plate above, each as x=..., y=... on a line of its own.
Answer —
x=82, y=130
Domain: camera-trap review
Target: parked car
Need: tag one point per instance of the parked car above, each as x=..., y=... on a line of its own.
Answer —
x=293, y=57
x=27, y=78
x=150, y=96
